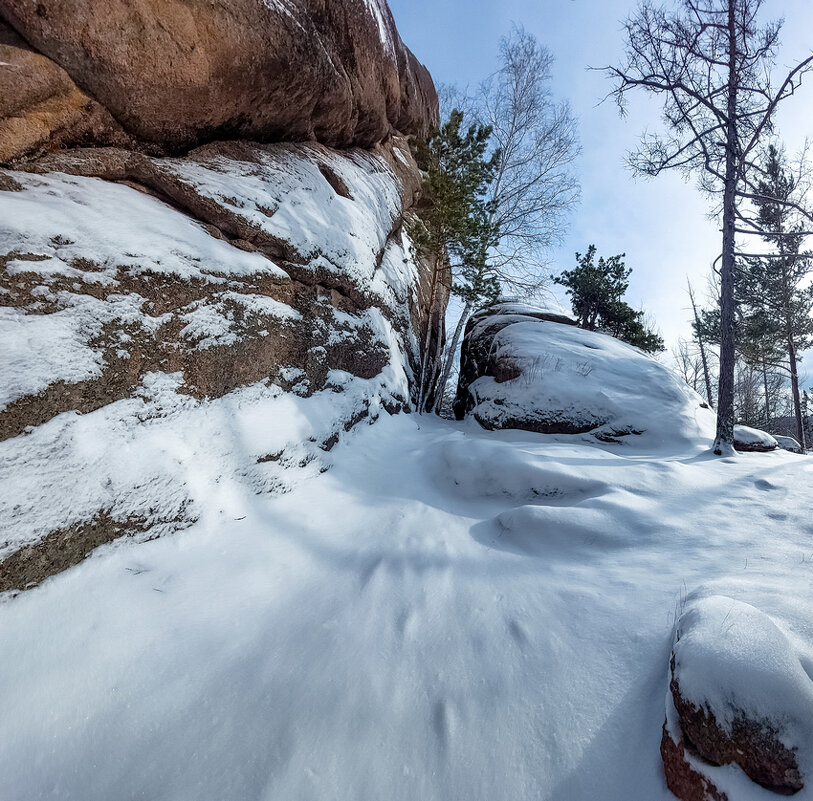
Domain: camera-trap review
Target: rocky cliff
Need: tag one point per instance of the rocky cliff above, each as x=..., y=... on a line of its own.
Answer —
x=198, y=199
x=174, y=74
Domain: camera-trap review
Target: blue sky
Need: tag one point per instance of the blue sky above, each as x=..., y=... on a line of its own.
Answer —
x=660, y=224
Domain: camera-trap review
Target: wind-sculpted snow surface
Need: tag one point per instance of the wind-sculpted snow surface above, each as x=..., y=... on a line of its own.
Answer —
x=521, y=368
x=448, y=612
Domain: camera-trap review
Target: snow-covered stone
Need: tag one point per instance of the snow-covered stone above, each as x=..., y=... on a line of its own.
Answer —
x=740, y=695
x=787, y=443
x=284, y=265
x=753, y=440
x=533, y=369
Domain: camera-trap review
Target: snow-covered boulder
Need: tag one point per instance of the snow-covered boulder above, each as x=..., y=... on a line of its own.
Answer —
x=753, y=440
x=787, y=443
x=533, y=369
x=738, y=695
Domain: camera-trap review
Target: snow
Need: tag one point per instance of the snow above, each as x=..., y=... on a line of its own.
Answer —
x=37, y=349
x=787, y=443
x=552, y=306
x=284, y=193
x=65, y=218
x=735, y=660
x=589, y=380
x=40, y=349
x=212, y=323
x=85, y=232
x=447, y=612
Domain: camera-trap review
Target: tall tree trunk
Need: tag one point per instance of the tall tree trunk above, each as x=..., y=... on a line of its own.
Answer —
x=424, y=376
x=703, y=359
x=797, y=400
x=447, y=366
x=432, y=385
x=724, y=441
x=767, y=396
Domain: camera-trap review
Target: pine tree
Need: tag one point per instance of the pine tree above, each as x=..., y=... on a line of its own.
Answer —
x=453, y=218
x=773, y=290
x=596, y=294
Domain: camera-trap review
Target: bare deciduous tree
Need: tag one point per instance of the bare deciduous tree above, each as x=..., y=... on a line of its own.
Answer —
x=534, y=185
x=688, y=364
x=702, y=346
x=711, y=62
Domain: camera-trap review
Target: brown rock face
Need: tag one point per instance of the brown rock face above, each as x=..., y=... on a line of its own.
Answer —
x=682, y=780
x=752, y=744
x=181, y=72
x=41, y=107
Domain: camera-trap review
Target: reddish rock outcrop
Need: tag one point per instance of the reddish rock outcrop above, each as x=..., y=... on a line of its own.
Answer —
x=178, y=225
x=41, y=108
x=177, y=73
x=681, y=778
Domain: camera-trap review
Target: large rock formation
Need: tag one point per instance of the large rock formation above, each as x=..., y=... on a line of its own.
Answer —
x=41, y=107
x=136, y=286
x=177, y=73
x=738, y=695
x=529, y=368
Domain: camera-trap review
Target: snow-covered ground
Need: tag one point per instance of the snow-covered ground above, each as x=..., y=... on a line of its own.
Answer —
x=446, y=613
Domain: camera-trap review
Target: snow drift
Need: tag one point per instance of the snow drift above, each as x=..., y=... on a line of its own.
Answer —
x=403, y=626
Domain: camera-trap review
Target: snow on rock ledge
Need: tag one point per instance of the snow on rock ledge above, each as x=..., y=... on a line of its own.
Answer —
x=285, y=267
x=738, y=695
x=533, y=369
